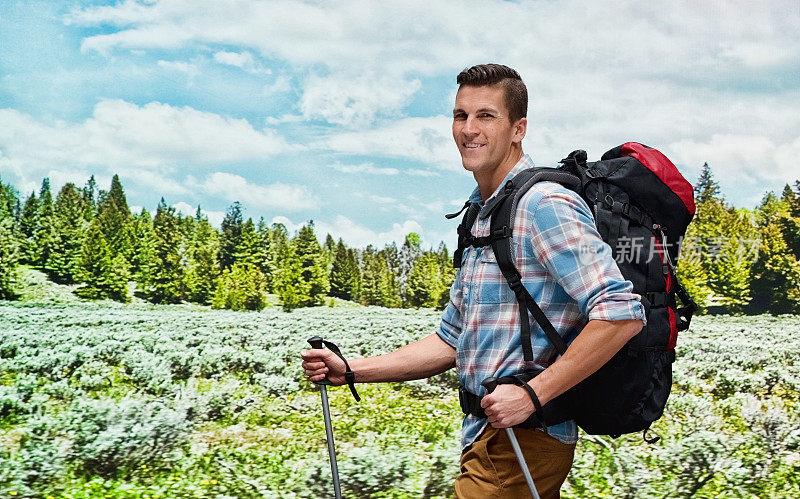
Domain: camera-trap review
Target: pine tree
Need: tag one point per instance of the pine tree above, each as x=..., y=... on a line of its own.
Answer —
x=262, y=255
x=722, y=237
x=45, y=230
x=354, y=270
x=409, y=253
x=378, y=282
x=728, y=265
x=287, y=278
x=165, y=280
x=143, y=239
x=240, y=288
x=115, y=217
x=69, y=226
x=247, y=251
x=775, y=276
x=706, y=187
x=691, y=272
x=448, y=273
x=201, y=278
x=9, y=202
x=9, y=240
x=231, y=235
x=28, y=224
x=344, y=273
x=312, y=264
x=8, y=257
x=790, y=222
x=425, y=281
x=90, y=193
x=103, y=277
x=278, y=239
x=795, y=208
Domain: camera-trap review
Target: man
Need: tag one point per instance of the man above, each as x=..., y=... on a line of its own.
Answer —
x=480, y=331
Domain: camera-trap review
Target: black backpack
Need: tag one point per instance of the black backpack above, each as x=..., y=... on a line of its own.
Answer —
x=636, y=194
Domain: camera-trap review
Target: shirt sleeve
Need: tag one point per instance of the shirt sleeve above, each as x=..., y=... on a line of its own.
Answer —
x=566, y=242
x=450, y=326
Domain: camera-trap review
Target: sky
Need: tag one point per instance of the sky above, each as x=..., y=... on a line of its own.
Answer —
x=340, y=112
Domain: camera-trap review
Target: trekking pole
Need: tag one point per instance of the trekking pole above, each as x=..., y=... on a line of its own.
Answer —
x=490, y=384
x=316, y=342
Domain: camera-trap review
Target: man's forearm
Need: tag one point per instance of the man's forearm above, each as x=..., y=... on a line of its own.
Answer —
x=594, y=346
x=421, y=359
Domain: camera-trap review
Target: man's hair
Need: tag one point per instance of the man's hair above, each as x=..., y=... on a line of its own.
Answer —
x=514, y=91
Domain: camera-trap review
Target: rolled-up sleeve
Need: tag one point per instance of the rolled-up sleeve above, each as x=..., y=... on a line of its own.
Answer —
x=565, y=241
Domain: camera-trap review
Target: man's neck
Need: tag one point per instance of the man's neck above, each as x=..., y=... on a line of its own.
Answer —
x=488, y=182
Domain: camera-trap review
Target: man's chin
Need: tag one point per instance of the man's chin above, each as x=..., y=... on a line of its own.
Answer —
x=469, y=165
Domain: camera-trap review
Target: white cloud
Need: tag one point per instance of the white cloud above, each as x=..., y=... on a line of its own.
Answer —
x=238, y=59
x=369, y=168
x=236, y=188
x=185, y=209
x=182, y=67
x=424, y=139
x=669, y=73
x=291, y=227
x=214, y=217
x=672, y=71
x=356, y=235
x=144, y=143
x=286, y=118
x=280, y=85
x=242, y=60
x=425, y=36
x=741, y=160
x=345, y=100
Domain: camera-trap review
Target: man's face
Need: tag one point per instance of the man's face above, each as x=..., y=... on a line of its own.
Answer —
x=482, y=130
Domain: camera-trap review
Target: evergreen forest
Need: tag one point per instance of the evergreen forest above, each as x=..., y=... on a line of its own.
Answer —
x=733, y=260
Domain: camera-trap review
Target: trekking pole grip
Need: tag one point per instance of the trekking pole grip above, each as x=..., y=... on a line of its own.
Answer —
x=316, y=343
x=489, y=383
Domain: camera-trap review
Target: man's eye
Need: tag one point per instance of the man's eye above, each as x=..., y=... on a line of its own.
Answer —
x=460, y=116
x=485, y=115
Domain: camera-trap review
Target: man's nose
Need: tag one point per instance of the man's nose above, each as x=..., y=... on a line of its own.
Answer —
x=470, y=127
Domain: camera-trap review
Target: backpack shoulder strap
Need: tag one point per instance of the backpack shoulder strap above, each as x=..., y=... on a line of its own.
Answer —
x=464, y=230
x=502, y=222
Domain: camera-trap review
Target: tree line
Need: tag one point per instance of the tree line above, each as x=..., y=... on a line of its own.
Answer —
x=737, y=260
x=89, y=236
x=733, y=260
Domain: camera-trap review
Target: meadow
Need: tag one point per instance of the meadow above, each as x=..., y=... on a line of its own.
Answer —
x=102, y=399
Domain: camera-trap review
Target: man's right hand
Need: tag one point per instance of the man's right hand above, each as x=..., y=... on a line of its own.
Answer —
x=320, y=362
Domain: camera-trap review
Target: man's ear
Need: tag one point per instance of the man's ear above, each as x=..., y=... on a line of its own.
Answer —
x=520, y=129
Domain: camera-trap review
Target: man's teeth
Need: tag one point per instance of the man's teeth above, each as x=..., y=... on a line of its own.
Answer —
x=472, y=146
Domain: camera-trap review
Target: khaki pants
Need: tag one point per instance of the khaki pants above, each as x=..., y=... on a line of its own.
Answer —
x=489, y=467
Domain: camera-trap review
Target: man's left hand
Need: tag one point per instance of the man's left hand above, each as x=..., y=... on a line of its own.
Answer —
x=507, y=405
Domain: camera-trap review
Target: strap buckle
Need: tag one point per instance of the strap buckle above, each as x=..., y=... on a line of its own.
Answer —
x=501, y=233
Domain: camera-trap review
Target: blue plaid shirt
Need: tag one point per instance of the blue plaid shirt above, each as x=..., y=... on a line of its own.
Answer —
x=553, y=227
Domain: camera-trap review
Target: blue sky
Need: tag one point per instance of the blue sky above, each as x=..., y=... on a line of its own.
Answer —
x=338, y=111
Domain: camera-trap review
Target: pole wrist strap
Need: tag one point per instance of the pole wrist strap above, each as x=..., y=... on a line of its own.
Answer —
x=538, y=412
x=349, y=375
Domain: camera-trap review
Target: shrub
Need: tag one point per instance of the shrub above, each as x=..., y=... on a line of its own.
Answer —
x=242, y=287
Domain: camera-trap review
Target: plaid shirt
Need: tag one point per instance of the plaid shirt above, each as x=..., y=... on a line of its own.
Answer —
x=551, y=227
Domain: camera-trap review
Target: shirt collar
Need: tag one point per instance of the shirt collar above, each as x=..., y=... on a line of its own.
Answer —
x=524, y=163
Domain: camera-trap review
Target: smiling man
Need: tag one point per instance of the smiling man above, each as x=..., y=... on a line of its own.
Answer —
x=592, y=307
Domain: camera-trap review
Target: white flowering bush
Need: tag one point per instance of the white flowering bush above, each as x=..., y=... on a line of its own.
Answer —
x=112, y=400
